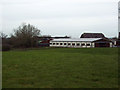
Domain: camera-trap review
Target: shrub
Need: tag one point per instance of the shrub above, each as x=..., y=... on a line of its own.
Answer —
x=6, y=47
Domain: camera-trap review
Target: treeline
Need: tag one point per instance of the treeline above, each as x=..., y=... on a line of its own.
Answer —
x=25, y=36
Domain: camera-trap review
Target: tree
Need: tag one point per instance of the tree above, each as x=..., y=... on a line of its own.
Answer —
x=3, y=38
x=25, y=36
x=2, y=35
x=4, y=42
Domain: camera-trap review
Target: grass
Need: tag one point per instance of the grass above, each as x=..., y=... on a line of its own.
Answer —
x=61, y=68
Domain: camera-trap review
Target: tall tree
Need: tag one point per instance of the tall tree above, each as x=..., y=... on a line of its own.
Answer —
x=25, y=36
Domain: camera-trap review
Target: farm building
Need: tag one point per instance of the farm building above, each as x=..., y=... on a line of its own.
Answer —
x=44, y=41
x=92, y=35
x=81, y=42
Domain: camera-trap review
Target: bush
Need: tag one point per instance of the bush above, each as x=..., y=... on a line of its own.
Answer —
x=6, y=47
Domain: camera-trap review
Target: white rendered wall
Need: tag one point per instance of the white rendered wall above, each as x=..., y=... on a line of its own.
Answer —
x=74, y=46
x=93, y=44
x=111, y=45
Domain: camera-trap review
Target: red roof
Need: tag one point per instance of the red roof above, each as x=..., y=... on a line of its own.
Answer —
x=92, y=35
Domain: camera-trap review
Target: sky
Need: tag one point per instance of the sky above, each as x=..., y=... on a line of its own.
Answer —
x=61, y=17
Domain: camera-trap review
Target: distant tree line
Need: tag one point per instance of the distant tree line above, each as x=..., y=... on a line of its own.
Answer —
x=25, y=36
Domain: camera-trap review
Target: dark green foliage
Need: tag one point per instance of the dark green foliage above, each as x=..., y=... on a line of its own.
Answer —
x=6, y=47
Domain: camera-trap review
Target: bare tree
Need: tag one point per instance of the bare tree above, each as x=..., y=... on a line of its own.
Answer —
x=3, y=35
x=25, y=36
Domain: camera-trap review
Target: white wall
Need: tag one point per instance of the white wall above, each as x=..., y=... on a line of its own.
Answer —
x=111, y=45
x=75, y=46
x=92, y=45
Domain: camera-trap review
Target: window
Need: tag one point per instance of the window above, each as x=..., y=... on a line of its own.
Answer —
x=82, y=44
x=57, y=43
x=68, y=43
x=65, y=43
x=73, y=44
x=78, y=44
x=53, y=43
x=60, y=43
x=88, y=44
x=50, y=43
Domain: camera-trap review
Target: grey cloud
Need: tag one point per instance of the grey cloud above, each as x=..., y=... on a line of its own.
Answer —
x=60, y=17
x=40, y=12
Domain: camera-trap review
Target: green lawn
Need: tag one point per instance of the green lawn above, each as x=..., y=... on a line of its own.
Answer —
x=61, y=68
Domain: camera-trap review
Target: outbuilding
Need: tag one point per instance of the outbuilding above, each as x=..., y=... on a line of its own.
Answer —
x=81, y=42
x=92, y=35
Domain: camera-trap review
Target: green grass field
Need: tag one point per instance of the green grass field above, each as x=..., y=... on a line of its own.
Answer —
x=61, y=68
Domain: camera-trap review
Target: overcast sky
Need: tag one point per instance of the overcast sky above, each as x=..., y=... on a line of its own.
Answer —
x=61, y=17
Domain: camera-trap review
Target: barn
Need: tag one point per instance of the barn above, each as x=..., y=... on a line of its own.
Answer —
x=103, y=43
x=81, y=42
x=44, y=41
x=92, y=35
